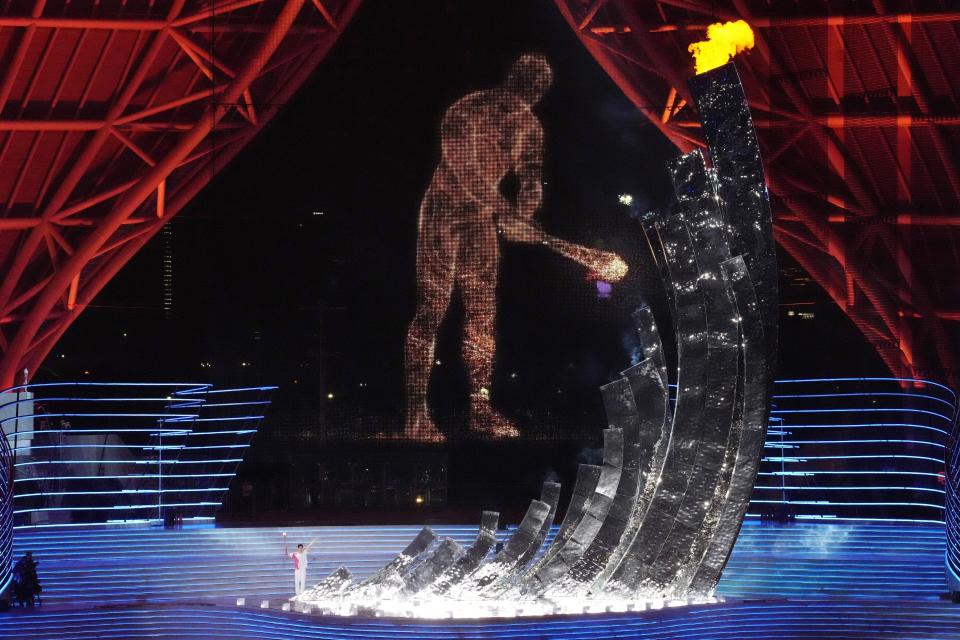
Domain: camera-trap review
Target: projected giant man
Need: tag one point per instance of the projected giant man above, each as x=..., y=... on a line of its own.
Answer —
x=486, y=137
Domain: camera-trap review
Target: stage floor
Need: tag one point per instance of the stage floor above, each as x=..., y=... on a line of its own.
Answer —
x=770, y=620
x=800, y=580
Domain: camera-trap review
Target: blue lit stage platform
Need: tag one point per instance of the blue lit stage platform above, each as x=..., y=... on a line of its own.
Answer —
x=858, y=462
x=798, y=580
x=95, y=565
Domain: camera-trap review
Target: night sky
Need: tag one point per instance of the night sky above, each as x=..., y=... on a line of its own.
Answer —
x=295, y=266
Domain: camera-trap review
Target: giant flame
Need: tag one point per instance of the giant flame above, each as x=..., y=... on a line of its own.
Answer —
x=724, y=40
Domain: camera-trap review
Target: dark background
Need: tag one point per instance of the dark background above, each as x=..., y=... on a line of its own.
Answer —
x=295, y=267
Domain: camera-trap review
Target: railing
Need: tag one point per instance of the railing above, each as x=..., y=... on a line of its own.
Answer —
x=102, y=453
x=869, y=449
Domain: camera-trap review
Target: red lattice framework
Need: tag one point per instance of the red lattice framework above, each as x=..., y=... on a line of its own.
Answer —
x=113, y=115
x=857, y=110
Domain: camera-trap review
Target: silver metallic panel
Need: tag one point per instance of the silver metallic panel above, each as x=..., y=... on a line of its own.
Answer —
x=469, y=561
x=735, y=154
x=695, y=189
x=595, y=512
x=550, y=494
x=755, y=417
x=695, y=244
x=586, y=484
x=389, y=579
x=691, y=330
x=441, y=559
x=656, y=420
x=507, y=561
x=741, y=185
x=330, y=587
x=631, y=404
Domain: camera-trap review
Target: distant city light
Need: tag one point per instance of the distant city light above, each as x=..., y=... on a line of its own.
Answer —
x=330, y=396
x=625, y=199
x=419, y=500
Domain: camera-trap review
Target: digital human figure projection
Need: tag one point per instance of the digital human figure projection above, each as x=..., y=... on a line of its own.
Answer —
x=486, y=138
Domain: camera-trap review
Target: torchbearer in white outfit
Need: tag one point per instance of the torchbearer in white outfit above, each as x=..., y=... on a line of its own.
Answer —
x=300, y=560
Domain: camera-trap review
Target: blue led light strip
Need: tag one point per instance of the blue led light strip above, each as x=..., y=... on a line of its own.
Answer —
x=130, y=475
x=856, y=488
x=125, y=507
x=867, y=394
x=832, y=442
x=913, y=381
x=133, y=462
x=860, y=425
x=947, y=419
x=119, y=492
x=855, y=457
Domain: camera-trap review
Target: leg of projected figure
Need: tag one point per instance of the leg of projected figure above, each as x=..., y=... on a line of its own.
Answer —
x=437, y=247
x=479, y=263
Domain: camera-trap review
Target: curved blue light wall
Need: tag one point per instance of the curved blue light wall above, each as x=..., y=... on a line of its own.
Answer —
x=856, y=449
x=101, y=453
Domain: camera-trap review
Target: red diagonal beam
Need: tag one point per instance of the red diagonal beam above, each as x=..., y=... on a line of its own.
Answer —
x=132, y=199
x=106, y=271
x=83, y=162
x=838, y=20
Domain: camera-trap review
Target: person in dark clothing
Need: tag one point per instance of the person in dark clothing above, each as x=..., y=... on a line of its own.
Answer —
x=26, y=583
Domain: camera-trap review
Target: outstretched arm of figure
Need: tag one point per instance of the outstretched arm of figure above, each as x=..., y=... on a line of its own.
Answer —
x=312, y=542
x=529, y=168
x=516, y=223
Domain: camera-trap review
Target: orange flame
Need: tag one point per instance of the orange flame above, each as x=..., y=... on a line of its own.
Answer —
x=724, y=40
